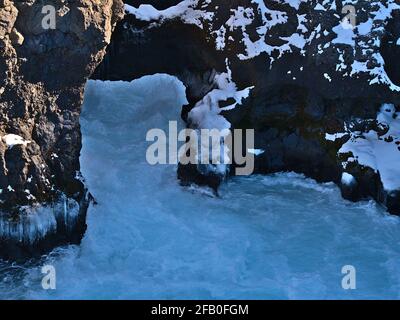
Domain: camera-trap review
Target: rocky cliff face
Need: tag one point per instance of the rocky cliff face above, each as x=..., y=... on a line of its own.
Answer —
x=324, y=81
x=43, y=70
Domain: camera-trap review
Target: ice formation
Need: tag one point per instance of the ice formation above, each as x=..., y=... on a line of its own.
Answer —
x=380, y=152
x=36, y=222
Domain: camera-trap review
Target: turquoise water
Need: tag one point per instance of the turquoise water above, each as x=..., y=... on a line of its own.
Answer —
x=266, y=237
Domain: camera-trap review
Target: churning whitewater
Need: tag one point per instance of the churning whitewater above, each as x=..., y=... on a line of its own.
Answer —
x=278, y=236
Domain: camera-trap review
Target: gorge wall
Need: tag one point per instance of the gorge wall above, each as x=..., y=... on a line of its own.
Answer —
x=43, y=72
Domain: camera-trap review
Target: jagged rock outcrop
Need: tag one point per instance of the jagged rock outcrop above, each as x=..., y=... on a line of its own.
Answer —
x=325, y=92
x=43, y=71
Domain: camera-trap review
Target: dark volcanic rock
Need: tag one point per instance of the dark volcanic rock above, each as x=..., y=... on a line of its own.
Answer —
x=42, y=78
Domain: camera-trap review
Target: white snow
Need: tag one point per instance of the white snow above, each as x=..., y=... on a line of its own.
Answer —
x=220, y=38
x=370, y=150
x=183, y=10
x=378, y=73
x=335, y=136
x=12, y=140
x=344, y=34
x=348, y=179
x=294, y=3
x=364, y=37
x=365, y=27
x=327, y=77
x=206, y=113
x=256, y=152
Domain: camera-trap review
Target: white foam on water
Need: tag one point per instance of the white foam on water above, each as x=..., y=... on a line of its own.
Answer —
x=277, y=236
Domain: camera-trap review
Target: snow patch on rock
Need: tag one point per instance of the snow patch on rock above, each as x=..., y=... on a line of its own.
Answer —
x=381, y=153
x=256, y=152
x=335, y=136
x=184, y=10
x=12, y=140
x=348, y=179
x=364, y=39
x=206, y=114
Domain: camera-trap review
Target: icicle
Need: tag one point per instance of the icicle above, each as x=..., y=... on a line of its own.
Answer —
x=35, y=223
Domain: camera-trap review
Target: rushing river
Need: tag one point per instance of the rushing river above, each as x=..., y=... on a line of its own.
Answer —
x=279, y=236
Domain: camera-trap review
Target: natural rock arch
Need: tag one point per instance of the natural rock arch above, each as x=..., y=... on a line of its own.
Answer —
x=289, y=116
x=297, y=99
